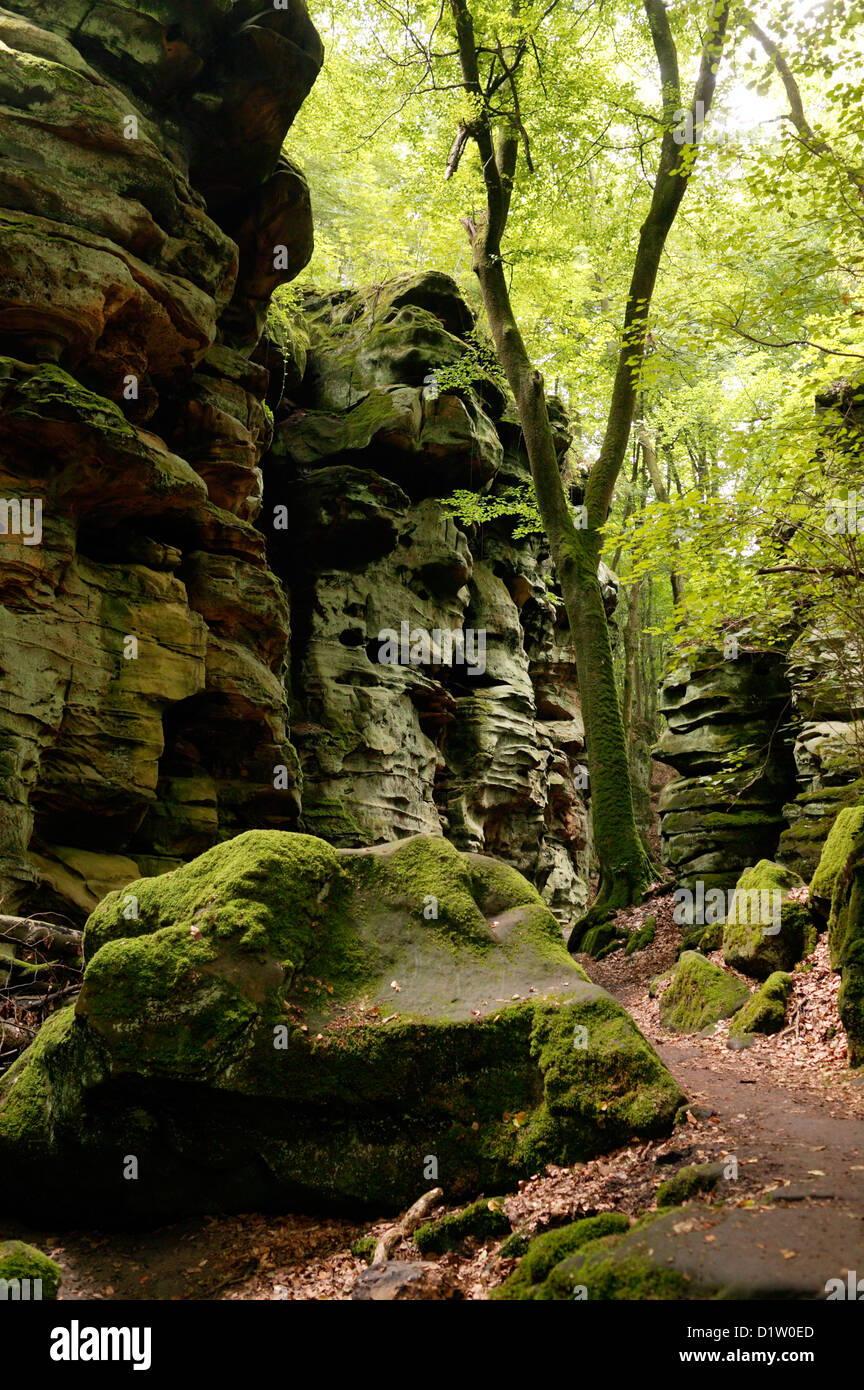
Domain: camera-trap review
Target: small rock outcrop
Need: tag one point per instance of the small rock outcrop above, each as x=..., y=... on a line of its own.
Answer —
x=665, y=1256
x=768, y=925
x=700, y=994
x=406, y=1281
x=765, y=1010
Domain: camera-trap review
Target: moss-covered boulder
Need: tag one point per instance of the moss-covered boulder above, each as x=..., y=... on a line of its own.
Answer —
x=700, y=994
x=688, y=1253
x=600, y=1257
x=767, y=927
x=27, y=1274
x=279, y=1022
x=765, y=1011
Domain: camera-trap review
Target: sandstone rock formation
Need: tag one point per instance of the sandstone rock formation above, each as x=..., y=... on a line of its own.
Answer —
x=827, y=690
x=839, y=881
x=768, y=746
x=201, y=609
x=143, y=191
x=490, y=754
x=279, y=1022
x=727, y=735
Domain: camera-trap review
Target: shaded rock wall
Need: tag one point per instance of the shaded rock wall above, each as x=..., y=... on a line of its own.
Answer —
x=828, y=696
x=190, y=621
x=768, y=748
x=488, y=753
x=142, y=642
x=727, y=735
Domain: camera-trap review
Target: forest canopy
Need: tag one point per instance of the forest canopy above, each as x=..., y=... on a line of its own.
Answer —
x=754, y=347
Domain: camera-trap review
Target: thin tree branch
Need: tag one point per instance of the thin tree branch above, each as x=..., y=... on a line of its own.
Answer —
x=816, y=144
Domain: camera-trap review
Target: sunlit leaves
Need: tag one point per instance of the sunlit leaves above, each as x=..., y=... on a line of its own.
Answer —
x=761, y=273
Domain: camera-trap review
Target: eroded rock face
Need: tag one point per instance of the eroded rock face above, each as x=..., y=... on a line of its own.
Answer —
x=142, y=196
x=727, y=735
x=167, y=643
x=827, y=689
x=280, y=1022
x=768, y=748
x=486, y=750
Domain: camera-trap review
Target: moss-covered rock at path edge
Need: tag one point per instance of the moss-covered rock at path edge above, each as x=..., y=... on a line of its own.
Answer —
x=700, y=993
x=768, y=924
x=280, y=1023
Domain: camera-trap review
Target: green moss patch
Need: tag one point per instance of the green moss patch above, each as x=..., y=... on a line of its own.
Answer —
x=364, y=1248
x=484, y=1219
x=20, y=1263
x=548, y=1250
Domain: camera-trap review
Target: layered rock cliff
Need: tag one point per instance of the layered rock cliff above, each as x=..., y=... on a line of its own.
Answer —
x=828, y=697
x=199, y=613
x=768, y=748
x=484, y=747
x=143, y=192
x=728, y=736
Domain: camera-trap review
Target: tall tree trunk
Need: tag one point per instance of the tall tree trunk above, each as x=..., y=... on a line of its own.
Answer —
x=625, y=869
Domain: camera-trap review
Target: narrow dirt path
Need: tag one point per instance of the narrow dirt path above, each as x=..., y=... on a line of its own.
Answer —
x=787, y=1110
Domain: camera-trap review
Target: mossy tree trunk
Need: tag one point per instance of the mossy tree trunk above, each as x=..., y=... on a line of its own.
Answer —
x=625, y=869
